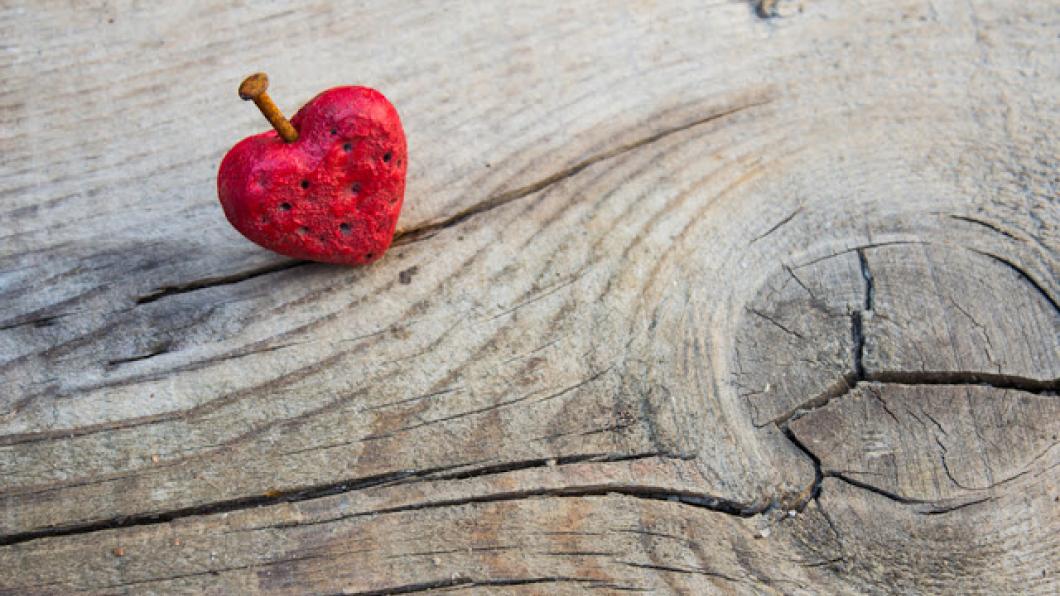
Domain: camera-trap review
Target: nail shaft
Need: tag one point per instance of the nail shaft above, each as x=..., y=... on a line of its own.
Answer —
x=253, y=88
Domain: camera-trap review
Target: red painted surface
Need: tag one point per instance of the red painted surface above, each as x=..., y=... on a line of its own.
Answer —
x=333, y=195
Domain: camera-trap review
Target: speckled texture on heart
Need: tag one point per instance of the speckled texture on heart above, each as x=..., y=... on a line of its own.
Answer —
x=334, y=194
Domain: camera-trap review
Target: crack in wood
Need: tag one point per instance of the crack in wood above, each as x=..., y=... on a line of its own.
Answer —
x=404, y=477
x=942, y=510
x=923, y=507
x=778, y=225
x=469, y=582
x=875, y=489
x=870, y=283
x=983, y=223
x=504, y=468
x=686, y=570
x=857, y=319
x=221, y=280
x=857, y=333
x=37, y=321
x=850, y=382
x=775, y=322
x=997, y=381
x=1023, y=275
x=431, y=228
x=157, y=350
x=227, y=506
x=814, y=491
x=860, y=247
x=413, y=588
x=690, y=498
x=1004, y=382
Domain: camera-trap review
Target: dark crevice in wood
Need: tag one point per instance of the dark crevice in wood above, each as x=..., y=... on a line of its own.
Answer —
x=875, y=489
x=778, y=225
x=431, y=228
x=399, y=477
x=587, y=581
x=849, y=382
x=157, y=350
x=506, y=467
x=985, y=224
x=818, y=474
x=814, y=495
x=870, y=283
x=886, y=408
x=413, y=588
x=997, y=381
x=845, y=384
x=857, y=319
x=858, y=335
x=221, y=280
x=577, y=553
x=859, y=248
x=933, y=508
x=39, y=321
x=295, y=495
x=775, y=323
x=693, y=499
x=943, y=509
x=1024, y=275
x=691, y=571
x=831, y=523
x=467, y=582
x=1004, y=382
x=946, y=465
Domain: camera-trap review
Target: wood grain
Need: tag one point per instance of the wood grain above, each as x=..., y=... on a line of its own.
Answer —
x=735, y=297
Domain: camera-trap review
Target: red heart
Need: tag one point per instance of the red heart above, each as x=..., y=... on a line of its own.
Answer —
x=332, y=195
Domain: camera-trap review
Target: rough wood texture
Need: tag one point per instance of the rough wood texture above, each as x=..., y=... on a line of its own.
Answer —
x=729, y=297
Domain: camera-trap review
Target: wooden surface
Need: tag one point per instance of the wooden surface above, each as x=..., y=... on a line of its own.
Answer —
x=688, y=297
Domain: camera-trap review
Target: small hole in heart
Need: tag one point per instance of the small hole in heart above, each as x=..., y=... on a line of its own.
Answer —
x=387, y=156
x=334, y=131
x=344, y=228
x=303, y=230
x=305, y=184
x=285, y=206
x=356, y=188
x=368, y=256
x=392, y=200
x=347, y=147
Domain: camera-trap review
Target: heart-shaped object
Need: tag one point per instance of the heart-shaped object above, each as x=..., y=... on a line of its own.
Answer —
x=333, y=193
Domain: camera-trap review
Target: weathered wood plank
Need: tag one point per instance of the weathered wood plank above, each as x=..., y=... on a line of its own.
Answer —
x=662, y=267
x=607, y=543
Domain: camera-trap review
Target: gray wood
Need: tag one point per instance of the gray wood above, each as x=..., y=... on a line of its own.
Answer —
x=738, y=297
x=934, y=442
x=986, y=297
